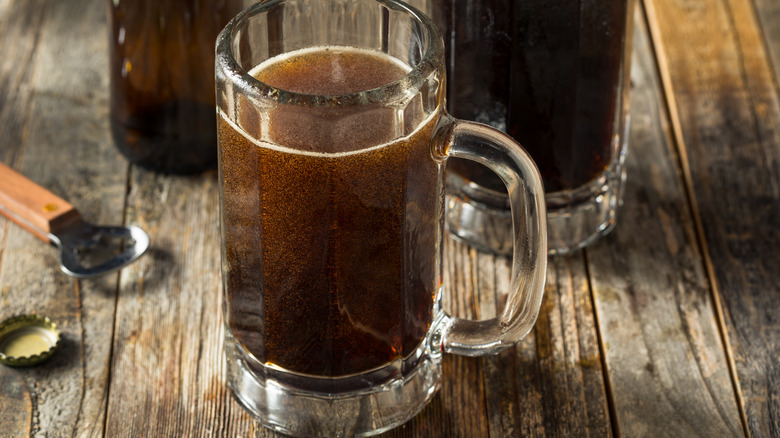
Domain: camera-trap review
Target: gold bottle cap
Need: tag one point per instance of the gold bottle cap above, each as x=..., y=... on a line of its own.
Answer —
x=27, y=340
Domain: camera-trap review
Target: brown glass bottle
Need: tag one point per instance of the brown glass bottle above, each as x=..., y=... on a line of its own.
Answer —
x=162, y=80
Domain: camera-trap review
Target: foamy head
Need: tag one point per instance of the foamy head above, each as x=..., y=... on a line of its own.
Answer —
x=335, y=126
x=334, y=68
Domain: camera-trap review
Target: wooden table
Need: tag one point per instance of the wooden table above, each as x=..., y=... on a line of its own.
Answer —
x=670, y=326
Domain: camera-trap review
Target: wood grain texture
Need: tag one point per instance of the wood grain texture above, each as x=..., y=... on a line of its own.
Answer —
x=554, y=378
x=54, y=85
x=768, y=14
x=726, y=98
x=628, y=341
x=551, y=383
x=656, y=315
x=168, y=368
x=20, y=24
x=32, y=206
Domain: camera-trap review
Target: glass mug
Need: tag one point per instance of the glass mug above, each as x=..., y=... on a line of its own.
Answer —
x=554, y=74
x=333, y=141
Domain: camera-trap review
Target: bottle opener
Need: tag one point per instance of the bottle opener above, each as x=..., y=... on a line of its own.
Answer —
x=54, y=220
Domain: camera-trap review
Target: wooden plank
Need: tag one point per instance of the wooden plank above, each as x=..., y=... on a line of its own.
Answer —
x=540, y=387
x=58, y=136
x=728, y=109
x=463, y=391
x=727, y=102
x=20, y=23
x=556, y=373
x=668, y=373
x=18, y=400
x=768, y=13
x=168, y=368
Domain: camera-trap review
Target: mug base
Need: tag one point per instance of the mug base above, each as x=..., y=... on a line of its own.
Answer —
x=575, y=218
x=289, y=409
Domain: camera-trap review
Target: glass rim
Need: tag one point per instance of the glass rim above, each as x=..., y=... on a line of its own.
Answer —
x=228, y=68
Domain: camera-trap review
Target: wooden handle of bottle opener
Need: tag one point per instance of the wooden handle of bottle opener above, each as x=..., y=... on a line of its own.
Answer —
x=31, y=206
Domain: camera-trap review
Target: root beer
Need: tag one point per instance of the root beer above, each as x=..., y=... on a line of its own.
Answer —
x=545, y=72
x=329, y=219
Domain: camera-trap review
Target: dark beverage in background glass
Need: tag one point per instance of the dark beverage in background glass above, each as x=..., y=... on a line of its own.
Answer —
x=162, y=80
x=551, y=73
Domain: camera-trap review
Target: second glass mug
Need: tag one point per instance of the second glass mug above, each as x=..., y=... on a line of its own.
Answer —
x=333, y=141
x=554, y=74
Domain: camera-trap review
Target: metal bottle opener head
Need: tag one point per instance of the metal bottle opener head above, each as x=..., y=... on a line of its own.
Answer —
x=83, y=237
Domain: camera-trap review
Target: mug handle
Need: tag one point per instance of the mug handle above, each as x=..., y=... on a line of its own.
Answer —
x=500, y=153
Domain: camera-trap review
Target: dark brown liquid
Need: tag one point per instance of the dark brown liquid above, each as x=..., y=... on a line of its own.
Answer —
x=331, y=254
x=162, y=81
x=544, y=71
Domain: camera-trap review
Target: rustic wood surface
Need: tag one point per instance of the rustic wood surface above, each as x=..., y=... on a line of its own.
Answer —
x=725, y=100
x=667, y=327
